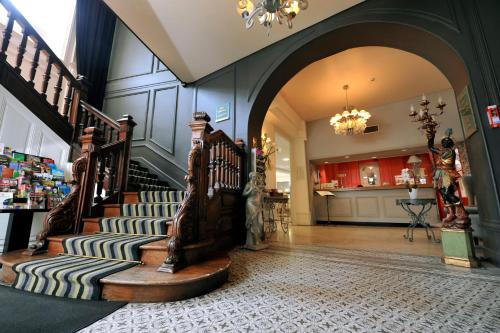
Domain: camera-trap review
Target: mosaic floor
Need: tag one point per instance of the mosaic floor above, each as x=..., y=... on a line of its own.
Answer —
x=320, y=289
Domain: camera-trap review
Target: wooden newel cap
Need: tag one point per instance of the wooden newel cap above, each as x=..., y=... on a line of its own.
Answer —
x=126, y=120
x=201, y=116
x=240, y=143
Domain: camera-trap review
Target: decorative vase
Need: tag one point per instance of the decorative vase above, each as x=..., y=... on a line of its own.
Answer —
x=413, y=193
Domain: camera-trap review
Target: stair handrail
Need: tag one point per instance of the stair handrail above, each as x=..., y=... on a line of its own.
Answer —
x=75, y=89
x=215, y=164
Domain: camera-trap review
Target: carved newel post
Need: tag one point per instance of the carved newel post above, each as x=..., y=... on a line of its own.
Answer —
x=191, y=213
x=254, y=223
x=66, y=216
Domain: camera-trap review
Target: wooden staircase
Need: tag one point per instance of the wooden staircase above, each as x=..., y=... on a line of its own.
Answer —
x=208, y=219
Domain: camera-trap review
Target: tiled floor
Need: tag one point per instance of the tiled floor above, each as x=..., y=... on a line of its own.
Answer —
x=320, y=288
x=385, y=239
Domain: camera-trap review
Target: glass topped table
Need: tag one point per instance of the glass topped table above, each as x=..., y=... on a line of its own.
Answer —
x=418, y=216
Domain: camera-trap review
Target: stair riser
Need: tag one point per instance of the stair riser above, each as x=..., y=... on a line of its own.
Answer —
x=163, y=293
x=112, y=210
x=130, y=197
x=153, y=257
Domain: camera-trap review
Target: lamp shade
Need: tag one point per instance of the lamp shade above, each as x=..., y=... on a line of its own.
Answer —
x=414, y=160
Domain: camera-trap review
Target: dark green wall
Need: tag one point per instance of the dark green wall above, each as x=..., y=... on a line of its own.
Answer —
x=459, y=36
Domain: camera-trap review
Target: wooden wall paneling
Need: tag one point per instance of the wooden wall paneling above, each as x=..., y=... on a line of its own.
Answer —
x=215, y=92
x=135, y=104
x=126, y=47
x=341, y=207
x=367, y=207
x=164, y=118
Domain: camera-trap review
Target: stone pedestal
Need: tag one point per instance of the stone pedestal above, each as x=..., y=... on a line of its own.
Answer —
x=458, y=248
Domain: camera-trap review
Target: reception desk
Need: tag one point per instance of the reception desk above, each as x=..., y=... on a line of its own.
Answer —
x=376, y=204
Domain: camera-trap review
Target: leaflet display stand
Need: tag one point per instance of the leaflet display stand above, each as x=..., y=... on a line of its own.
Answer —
x=327, y=195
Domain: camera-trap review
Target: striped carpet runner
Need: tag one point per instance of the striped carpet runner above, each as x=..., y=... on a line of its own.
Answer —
x=88, y=258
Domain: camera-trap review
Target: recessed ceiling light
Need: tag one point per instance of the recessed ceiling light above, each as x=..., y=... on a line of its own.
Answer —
x=347, y=156
x=374, y=156
x=286, y=159
x=404, y=149
x=326, y=162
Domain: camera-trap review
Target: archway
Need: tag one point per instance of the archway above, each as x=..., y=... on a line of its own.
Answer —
x=401, y=37
x=391, y=35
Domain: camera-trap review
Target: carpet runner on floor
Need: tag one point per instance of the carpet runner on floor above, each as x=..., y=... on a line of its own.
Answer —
x=88, y=258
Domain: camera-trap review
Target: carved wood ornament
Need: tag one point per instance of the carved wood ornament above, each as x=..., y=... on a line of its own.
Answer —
x=61, y=219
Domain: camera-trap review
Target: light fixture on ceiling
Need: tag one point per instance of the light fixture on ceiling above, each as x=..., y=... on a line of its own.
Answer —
x=286, y=159
x=351, y=121
x=267, y=11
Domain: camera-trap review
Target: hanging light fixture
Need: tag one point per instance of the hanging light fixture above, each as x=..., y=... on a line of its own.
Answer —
x=267, y=11
x=351, y=121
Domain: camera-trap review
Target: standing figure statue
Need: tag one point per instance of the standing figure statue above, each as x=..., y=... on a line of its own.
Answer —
x=446, y=181
x=254, y=221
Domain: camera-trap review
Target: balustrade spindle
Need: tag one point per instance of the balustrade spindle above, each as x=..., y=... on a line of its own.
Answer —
x=21, y=50
x=212, y=166
x=100, y=178
x=105, y=131
x=58, y=88
x=238, y=174
x=218, y=183
x=34, y=63
x=233, y=169
x=226, y=164
x=7, y=33
x=67, y=100
x=112, y=174
x=110, y=136
x=46, y=75
x=83, y=121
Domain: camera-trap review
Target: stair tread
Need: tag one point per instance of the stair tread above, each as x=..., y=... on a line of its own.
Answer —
x=149, y=275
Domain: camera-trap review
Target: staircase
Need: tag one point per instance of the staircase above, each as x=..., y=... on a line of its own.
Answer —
x=116, y=257
x=121, y=233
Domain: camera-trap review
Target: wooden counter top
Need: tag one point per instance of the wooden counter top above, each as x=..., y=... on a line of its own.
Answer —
x=376, y=188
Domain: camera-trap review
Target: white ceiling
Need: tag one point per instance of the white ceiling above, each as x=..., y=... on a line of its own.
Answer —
x=316, y=91
x=196, y=38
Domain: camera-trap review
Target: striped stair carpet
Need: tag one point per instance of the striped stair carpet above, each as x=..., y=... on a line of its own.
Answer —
x=116, y=247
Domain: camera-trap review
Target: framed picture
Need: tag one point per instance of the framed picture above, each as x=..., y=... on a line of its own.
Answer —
x=466, y=113
x=223, y=112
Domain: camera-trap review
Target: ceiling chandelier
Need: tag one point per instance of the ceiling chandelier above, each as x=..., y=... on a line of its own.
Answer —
x=267, y=11
x=351, y=121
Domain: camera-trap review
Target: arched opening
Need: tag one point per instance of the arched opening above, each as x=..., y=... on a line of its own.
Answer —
x=405, y=39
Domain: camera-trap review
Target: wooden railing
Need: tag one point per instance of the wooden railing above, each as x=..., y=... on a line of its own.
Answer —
x=33, y=73
x=213, y=202
x=91, y=117
x=100, y=175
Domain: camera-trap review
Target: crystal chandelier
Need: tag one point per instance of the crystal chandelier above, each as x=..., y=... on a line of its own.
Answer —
x=267, y=11
x=351, y=121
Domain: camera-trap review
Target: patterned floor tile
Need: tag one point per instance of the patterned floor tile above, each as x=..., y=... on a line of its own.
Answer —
x=314, y=289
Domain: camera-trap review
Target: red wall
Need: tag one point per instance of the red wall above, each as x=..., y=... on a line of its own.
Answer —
x=389, y=167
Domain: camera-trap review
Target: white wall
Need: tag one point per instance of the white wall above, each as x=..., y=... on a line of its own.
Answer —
x=283, y=119
x=395, y=130
x=24, y=132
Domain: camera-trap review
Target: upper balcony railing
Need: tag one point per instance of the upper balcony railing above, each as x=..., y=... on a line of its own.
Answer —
x=29, y=55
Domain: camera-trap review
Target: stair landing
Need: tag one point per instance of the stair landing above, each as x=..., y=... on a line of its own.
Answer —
x=144, y=283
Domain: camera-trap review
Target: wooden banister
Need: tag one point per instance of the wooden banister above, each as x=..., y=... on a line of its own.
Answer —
x=215, y=169
x=46, y=101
